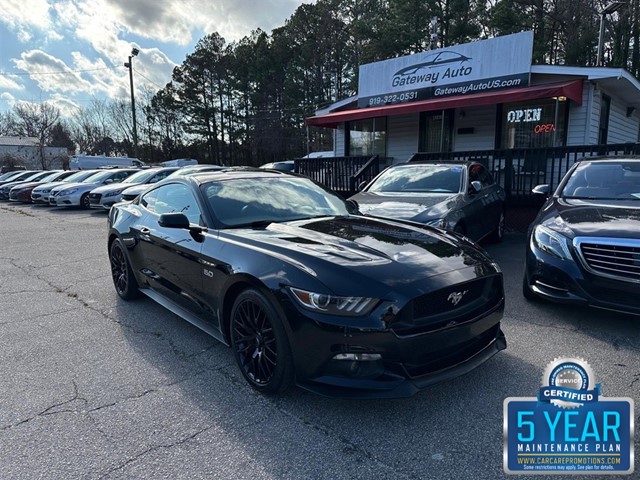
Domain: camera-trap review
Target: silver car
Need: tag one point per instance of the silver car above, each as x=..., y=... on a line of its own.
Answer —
x=40, y=194
x=77, y=194
x=104, y=197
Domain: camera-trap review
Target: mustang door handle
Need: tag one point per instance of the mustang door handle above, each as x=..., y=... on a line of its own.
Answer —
x=145, y=231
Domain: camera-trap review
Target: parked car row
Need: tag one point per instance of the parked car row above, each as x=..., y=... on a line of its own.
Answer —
x=98, y=188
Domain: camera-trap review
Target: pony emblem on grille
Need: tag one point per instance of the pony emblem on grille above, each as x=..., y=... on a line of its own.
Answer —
x=455, y=297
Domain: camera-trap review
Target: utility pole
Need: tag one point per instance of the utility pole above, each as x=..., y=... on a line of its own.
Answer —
x=608, y=10
x=129, y=65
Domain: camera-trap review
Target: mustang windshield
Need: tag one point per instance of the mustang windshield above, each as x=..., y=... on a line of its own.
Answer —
x=419, y=179
x=260, y=200
x=604, y=181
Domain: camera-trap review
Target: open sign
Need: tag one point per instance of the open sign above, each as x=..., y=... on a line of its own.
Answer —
x=545, y=128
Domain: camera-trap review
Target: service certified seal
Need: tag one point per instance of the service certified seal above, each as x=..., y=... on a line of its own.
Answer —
x=568, y=383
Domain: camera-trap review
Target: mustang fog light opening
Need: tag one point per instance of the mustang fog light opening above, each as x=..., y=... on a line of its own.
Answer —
x=551, y=242
x=362, y=365
x=346, y=306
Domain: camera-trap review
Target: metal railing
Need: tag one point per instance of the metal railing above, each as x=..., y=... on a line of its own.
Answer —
x=340, y=174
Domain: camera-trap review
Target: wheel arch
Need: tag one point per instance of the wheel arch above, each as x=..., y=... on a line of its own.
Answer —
x=237, y=285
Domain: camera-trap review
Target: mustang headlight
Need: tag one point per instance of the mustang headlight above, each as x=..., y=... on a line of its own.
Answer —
x=333, y=305
x=438, y=222
x=68, y=191
x=551, y=242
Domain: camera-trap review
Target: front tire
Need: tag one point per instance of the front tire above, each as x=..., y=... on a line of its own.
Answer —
x=84, y=201
x=260, y=344
x=124, y=280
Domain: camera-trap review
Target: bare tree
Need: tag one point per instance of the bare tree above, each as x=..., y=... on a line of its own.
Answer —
x=36, y=120
x=90, y=126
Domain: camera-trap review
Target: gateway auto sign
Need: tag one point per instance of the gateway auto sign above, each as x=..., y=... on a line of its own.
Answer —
x=494, y=64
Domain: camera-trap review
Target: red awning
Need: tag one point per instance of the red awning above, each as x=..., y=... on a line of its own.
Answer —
x=571, y=89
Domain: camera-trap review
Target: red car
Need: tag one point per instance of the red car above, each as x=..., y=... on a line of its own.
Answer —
x=22, y=191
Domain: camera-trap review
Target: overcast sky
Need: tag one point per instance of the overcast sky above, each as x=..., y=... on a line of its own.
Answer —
x=90, y=40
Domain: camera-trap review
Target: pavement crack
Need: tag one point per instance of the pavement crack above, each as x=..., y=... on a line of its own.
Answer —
x=348, y=446
x=149, y=450
x=146, y=392
x=53, y=409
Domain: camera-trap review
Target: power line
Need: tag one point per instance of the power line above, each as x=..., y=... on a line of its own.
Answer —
x=147, y=79
x=62, y=72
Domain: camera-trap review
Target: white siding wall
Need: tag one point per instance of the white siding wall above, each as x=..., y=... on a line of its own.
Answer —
x=594, y=123
x=622, y=129
x=579, y=117
x=338, y=141
x=483, y=121
x=402, y=137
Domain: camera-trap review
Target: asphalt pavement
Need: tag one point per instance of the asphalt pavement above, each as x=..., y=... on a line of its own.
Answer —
x=92, y=387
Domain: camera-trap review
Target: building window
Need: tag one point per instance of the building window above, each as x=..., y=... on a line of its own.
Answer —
x=534, y=124
x=436, y=131
x=603, y=129
x=367, y=137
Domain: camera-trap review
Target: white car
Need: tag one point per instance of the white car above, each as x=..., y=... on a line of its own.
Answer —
x=40, y=194
x=132, y=192
x=105, y=196
x=77, y=194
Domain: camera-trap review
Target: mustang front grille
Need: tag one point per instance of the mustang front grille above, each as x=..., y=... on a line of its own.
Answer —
x=450, y=306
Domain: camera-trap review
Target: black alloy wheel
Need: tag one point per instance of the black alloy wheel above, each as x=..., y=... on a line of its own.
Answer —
x=260, y=344
x=84, y=201
x=121, y=273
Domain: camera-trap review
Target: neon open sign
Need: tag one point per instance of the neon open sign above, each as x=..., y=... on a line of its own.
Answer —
x=544, y=128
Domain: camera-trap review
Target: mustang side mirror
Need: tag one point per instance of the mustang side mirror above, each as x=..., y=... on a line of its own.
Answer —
x=541, y=190
x=361, y=185
x=173, y=220
x=475, y=187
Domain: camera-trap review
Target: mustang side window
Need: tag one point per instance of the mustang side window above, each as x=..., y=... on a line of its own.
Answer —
x=172, y=198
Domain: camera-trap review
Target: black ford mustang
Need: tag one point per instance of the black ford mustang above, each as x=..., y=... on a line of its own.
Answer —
x=584, y=246
x=305, y=290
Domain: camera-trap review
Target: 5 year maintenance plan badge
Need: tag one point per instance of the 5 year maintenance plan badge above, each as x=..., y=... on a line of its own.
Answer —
x=569, y=427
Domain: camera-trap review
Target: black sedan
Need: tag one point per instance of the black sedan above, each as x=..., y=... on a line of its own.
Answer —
x=584, y=246
x=305, y=290
x=461, y=197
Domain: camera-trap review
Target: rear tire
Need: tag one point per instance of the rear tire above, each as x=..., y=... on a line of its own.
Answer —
x=260, y=344
x=498, y=233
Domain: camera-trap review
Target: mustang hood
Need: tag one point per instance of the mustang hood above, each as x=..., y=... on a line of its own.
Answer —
x=393, y=253
x=405, y=207
x=598, y=218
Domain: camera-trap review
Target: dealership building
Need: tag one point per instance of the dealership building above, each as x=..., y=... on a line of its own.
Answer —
x=484, y=100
